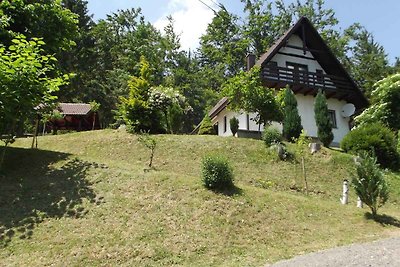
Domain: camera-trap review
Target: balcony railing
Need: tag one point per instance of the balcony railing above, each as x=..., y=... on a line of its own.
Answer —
x=307, y=79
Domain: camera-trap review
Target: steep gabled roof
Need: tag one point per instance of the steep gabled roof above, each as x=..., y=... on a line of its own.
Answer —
x=218, y=107
x=320, y=51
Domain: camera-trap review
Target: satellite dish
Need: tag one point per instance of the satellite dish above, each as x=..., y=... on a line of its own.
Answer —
x=348, y=110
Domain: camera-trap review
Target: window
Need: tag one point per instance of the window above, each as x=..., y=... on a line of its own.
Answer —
x=247, y=121
x=332, y=117
x=225, y=124
x=297, y=67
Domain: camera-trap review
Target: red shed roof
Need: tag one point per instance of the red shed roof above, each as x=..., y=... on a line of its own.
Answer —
x=74, y=108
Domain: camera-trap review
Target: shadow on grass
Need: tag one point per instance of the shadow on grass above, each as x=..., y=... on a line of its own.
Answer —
x=383, y=219
x=229, y=191
x=32, y=190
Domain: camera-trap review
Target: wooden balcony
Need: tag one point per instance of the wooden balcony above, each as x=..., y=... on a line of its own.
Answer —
x=307, y=83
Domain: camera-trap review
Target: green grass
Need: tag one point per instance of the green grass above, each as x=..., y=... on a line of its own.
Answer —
x=88, y=199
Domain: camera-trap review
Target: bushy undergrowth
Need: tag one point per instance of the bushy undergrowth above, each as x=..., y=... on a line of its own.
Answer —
x=374, y=138
x=271, y=136
x=216, y=172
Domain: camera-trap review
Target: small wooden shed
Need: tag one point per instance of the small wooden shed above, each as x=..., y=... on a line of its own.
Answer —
x=77, y=117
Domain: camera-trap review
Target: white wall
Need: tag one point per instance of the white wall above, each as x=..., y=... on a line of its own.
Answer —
x=305, y=105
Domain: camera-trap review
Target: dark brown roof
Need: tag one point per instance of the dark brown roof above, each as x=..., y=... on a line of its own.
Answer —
x=218, y=107
x=320, y=51
x=74, y=108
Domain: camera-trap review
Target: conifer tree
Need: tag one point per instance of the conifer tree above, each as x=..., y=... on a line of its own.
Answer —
x=291, y=122
x=322, y=119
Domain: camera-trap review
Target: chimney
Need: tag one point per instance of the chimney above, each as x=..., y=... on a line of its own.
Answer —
x=250, y=60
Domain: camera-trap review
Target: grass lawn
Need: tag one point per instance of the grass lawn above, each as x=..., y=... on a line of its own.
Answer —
x=88, y=199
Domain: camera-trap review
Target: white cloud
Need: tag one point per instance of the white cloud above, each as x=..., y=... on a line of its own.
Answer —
x=191, y=19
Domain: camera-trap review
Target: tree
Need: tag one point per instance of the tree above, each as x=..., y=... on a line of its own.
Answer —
x=26, y=81
x=369, y=183
x=322, y=119
x=369, y=62
x=135, y=110
x=234, y=125
x=291, y=118
x=46, y=19
x=384, y=107
x=245, y=92
x=223, y=44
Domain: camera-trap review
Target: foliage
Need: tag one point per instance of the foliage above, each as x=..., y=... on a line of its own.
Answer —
x=322, y=119
x=374, y=138
x=369, y=183
x=25, y=81
x=271, y=136
x=234, y=125
x=216, y=172
x=149, y=142
x=291, y=119
x=45, y=19
x=172, y=104
x=206, y=126
x=222, y=45
x=245, y=92
x=384, y=108
x=369, y=62
x=144, y=107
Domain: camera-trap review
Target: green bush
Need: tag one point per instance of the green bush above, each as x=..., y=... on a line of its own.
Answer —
x=369, y=183
x=322, y=119
x=271, y=136
x=291, y=119
x=374, y=138
x=234, y=125
x=206, y=126
x=216, y=172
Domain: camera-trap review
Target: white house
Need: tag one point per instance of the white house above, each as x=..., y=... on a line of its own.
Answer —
x=302, y=60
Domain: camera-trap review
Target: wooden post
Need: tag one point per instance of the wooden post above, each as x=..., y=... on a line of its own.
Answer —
x=304, y=173
x=345, y=198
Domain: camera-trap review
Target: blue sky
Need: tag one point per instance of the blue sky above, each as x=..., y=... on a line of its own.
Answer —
x=382, y=18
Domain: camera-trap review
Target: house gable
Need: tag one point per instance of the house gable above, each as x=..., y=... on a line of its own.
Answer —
x=302, y=60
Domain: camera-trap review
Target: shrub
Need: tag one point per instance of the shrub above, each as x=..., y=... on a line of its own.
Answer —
x=291, y=120
x=271, y=136
x=369, y=183
x=150, y=142
x=374, y=138
x=216, y=172
x=322, y=119
x=206, y=126
x=234, y=125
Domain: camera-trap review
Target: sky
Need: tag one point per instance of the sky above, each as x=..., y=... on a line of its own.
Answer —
x=382, y=18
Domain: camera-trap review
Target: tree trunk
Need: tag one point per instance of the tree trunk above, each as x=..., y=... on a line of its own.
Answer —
x=94, y=120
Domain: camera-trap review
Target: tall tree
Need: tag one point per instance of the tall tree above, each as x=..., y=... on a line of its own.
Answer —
x=222, y=47
x=322, y=119
x=26, y=80
x=369, y=62
x=291, y=119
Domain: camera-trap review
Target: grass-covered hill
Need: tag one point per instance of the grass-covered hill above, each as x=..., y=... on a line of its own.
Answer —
x=88, y=199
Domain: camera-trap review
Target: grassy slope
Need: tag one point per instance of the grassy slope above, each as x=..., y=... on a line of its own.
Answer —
x=85, y=199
